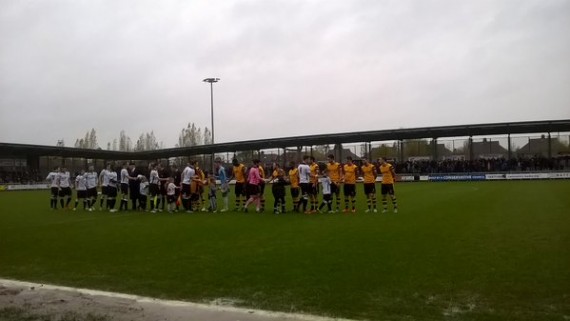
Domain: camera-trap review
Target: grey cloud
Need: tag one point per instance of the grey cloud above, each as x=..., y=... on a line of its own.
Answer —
x=291, y=67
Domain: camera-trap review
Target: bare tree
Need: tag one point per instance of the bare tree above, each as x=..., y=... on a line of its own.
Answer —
x=207, y=136
x=190, y=136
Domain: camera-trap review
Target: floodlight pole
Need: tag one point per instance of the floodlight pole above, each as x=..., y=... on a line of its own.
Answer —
x=212, y=81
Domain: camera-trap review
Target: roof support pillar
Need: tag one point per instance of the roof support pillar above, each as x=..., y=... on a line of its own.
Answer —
x=509, y=151
x=434, y=148
x=549, y=145
x=470, y=142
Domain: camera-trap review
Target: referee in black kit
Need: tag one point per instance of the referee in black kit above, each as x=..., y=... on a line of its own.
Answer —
x=134, y=185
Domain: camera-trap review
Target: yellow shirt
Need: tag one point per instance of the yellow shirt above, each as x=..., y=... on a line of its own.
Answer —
x=200, y=174
x=386, y=171
x=278, y=173
x=238, y=173
x=334, y=172
x=350, y=174
x=314, y=172
x=261, y=172
x=369, y=173
x=294, y=177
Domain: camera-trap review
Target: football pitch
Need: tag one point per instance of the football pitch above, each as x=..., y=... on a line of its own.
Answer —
x=455, y=251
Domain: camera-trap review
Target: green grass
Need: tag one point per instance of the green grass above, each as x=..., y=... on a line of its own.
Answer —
x=456, y=251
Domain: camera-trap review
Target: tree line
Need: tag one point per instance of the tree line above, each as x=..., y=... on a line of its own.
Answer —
x=191, y=135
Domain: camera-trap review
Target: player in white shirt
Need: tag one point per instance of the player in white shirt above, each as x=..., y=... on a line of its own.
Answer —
x=53, y=178
x=327, y=196
x=143, y=191
x=91, y=179
x=304, y=182
x=171, y=195
x=104, y=182
x=81, y=190
x=112, y=190
x=125, y=188
x=64, y=188
x=187, y=175
x=153, y=188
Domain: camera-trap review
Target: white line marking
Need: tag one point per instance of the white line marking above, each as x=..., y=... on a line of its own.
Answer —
x=169, y=303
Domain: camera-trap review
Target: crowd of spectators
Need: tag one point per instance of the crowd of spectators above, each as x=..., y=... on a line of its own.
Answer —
x=21, y=177
x=522, y=164
x=525, y=164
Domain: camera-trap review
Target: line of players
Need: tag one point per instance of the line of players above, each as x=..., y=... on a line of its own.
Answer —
x=304, y=180
x=173, y=188
x=115, y=184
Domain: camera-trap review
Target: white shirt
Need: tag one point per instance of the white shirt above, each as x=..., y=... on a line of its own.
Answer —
x=91, y=178
x=80, y=183
x=187, y=175
x=171, y=189
x=304, y=173
x=53, y=177
x=143, y=188
x=124, y=176
x=153, y=178
x=326, y=183
x=105, y=177
x=64, y=180
x=112, y=177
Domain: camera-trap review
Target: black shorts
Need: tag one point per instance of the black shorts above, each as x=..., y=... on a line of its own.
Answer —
x=124, y=188
x=349, y=190
x=387, y=189
x=65, y=191
x=171, y=198
x=305, y=188
x=105, y=190
x=54, y=191
x=142, y=202
x=239, y=189
x=153, y=189
x=186, y=190
x=252, y=189
x=278, y=191
x=92, y=192
x=163, y=189
x=327, y=197
x=111, y=191
x=335, y=189
x=261, y=188
x=369, y=188
x=295, y=192
x=82, y=194
x=314, y=190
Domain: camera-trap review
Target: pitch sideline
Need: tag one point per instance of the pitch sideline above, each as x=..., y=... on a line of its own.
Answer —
x=236, y=313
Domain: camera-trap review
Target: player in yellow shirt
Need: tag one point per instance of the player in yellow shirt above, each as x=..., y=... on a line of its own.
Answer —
x=295, y=188
x=238, y=173
x=349, y=179
x=334, y=171
x=278, y=188
x=388, y=179
x=314, y=191
x=369, y=174
x=200, y=181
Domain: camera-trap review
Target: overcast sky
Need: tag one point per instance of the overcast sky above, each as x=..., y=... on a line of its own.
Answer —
x=287, y=68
